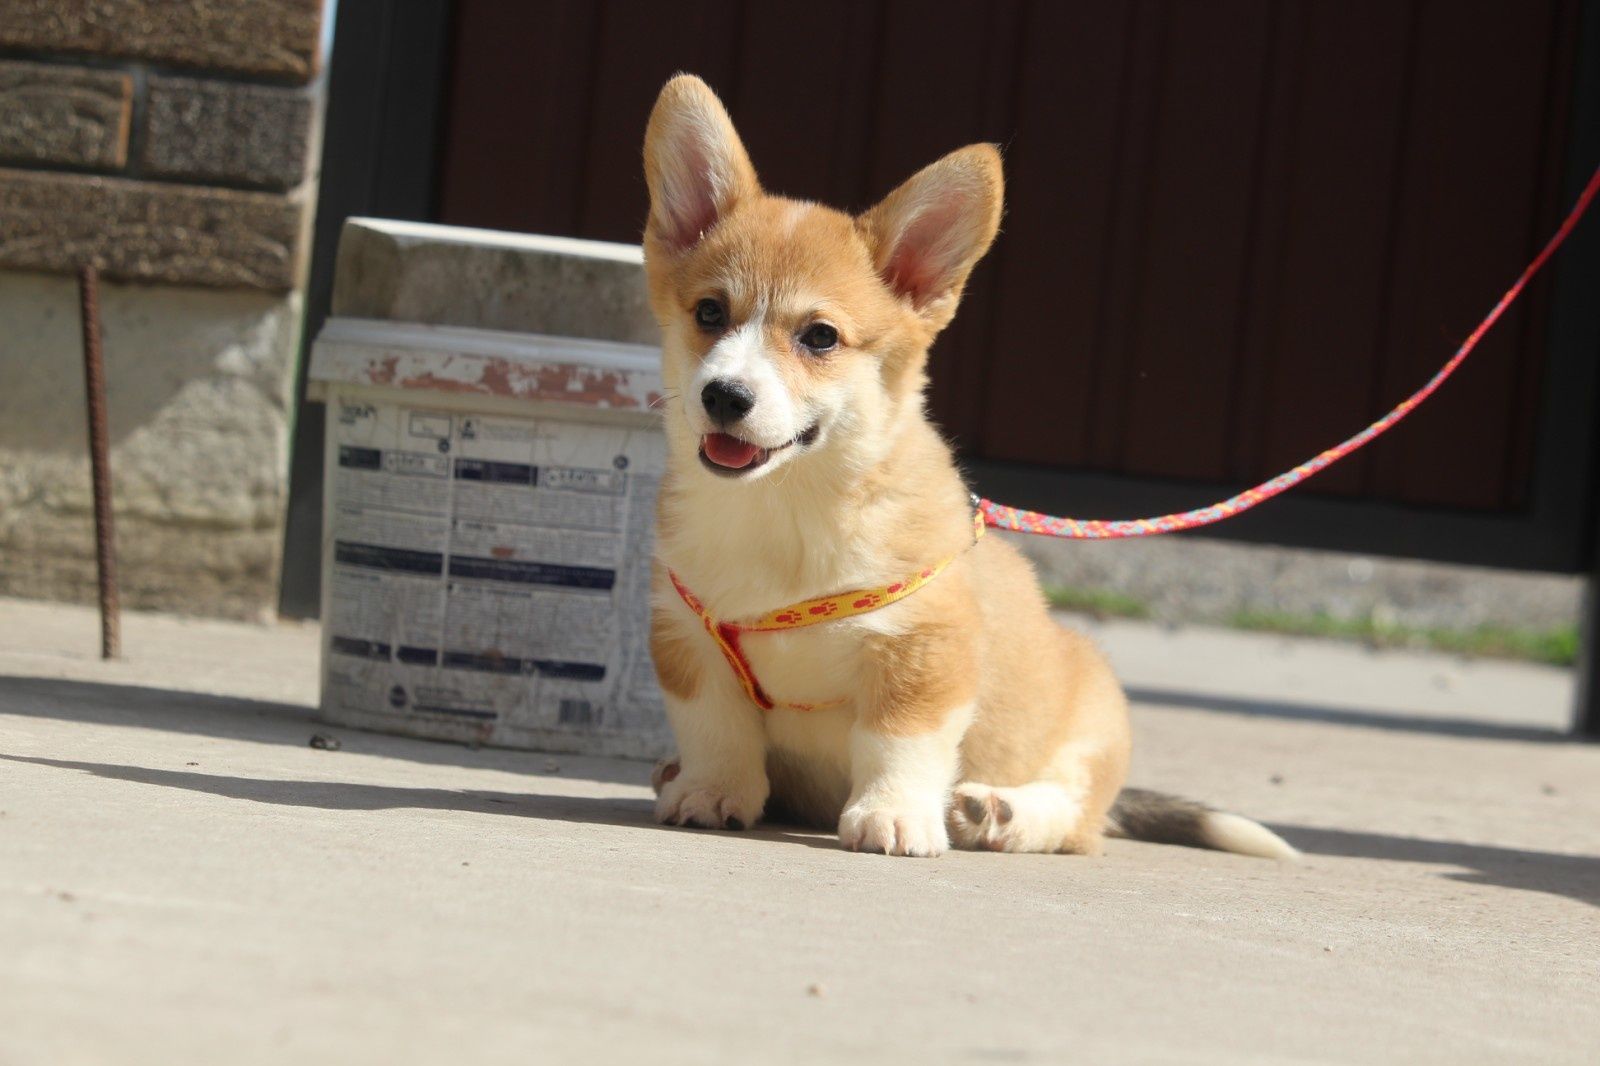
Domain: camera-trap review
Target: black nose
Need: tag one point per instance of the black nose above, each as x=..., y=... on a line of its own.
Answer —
x=727, y=401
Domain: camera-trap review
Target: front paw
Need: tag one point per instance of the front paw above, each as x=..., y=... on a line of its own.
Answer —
x=708, y=805
x=894, y=827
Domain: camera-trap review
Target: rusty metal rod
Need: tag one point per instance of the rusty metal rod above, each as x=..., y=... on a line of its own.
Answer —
x=94, y=381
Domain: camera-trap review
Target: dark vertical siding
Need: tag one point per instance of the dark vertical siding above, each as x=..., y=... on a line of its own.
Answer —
x=1468, y=199
x=820, y=149
x=1195, y=245
x=1318, y=290
x=1237, y=231
x=519, y=108
x=1055, y=250
x=635, y=56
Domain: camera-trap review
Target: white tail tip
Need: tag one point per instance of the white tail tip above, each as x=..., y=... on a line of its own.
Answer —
x=1231, y=832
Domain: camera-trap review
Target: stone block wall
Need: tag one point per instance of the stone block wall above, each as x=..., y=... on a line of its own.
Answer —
x=175, y=146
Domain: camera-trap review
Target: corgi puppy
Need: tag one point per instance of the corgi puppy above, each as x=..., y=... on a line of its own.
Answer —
x=801, y=463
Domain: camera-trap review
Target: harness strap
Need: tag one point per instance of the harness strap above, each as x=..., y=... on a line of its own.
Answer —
x=726, y=637
x=834, y=608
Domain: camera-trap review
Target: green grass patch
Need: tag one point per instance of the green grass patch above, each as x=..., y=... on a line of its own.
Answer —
x=1557, y=646
x=1102, y=603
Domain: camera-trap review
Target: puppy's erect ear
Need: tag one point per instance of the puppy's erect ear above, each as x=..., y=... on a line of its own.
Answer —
x=927, y=235
x=694, y=163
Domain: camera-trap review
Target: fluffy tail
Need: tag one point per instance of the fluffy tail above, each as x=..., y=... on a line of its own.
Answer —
x=1140, y=814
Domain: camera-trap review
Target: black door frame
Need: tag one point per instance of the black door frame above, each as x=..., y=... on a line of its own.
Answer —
x=1575, y=334
x=386, y=79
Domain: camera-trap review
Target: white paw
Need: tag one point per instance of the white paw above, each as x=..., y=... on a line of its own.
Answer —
x=1039, y=817
x=894, y=828
x=981, y=817
x=666, y=769
x=709, y=805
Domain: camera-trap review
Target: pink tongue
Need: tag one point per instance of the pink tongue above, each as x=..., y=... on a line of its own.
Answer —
x=730, y=451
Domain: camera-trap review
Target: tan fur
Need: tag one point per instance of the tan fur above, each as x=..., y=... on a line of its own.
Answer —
x=968, y=682
x=912, y=679
x=677, y=660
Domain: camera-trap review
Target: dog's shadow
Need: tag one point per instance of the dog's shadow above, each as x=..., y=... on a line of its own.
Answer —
x=349, y=796
x=1575, y=877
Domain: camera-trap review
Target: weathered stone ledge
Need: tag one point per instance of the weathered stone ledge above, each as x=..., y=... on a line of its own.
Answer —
x=271, y=38
x=148, y=231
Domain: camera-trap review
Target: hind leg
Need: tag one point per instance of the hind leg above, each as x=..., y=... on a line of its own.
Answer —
x=1063, y=811
x=1039, y=816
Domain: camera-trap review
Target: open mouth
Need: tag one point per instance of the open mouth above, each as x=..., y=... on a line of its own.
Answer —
x=730, y=456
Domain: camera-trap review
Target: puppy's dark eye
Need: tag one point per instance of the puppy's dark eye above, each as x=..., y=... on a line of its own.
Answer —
x=820, y=337
x=710, y=315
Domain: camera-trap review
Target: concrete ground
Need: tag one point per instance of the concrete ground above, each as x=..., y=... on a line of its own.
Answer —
x=183, y=879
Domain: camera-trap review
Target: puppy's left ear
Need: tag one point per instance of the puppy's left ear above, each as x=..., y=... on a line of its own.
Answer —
x=694, y=163
x=927, y=235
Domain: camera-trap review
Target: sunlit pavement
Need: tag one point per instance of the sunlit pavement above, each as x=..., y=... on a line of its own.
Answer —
x=183, y=878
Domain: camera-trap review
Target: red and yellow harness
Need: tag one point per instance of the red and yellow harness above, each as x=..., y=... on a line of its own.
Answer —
x=834, y=608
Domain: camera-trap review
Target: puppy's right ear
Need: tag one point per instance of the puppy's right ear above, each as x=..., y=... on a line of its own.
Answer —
x=694, y=163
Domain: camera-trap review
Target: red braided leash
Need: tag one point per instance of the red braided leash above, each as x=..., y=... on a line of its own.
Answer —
x=1002, y=517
